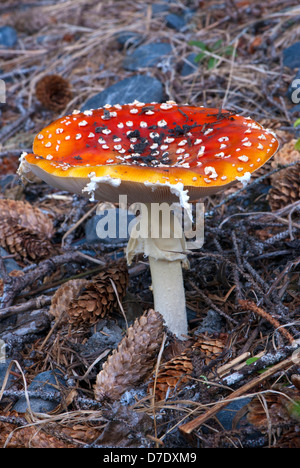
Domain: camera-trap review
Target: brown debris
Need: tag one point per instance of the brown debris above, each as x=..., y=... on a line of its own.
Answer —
x=53, y=92
x=14, y=434
x=133, y=359
x=30, y=436
x=8, y=165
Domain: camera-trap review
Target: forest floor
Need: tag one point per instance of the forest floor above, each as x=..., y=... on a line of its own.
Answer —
x=235, y=381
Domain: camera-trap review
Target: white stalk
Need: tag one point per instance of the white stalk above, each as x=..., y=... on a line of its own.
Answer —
x=168, y=294
x=159, y=236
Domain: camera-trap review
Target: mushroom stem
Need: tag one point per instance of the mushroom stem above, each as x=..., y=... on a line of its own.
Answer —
x=168, y=294
x=158, y=234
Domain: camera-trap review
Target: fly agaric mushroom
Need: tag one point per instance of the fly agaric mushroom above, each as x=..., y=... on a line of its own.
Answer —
x=152, y=153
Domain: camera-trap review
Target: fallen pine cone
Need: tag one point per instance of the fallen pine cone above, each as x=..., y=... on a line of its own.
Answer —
x=209, y=348
x=172, y=376
x=133, y=359
x=30, y=21
x=64, y=295
x=279, y=407
x=98, y=298
x=27, y=216
x=24, y=243
x=53, y=92
x=285, y=187
x=288, y=154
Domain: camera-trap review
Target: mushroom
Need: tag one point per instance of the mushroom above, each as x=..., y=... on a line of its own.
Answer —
x=152, y=153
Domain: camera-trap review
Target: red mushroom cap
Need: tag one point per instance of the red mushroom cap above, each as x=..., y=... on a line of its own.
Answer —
x=142, y=145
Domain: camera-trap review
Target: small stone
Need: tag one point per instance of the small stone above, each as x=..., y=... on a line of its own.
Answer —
x=189, y=66
x=107, y=336
x=176, y=22
x=147, y=55
x=47, y=382
x=295, y=111
x=3, y=373
x=8, y=36
x=291, y=56
x=129, y=39
x=227, y=416
x=6, y=180
x=142, y=88
x=212, y=323
x=162, y=8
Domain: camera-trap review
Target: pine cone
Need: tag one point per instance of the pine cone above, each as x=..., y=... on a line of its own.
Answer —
x=27, y=216
x=26, y=244
x=286, y=155
x=133, y=359
x=30, y=21
x=98, y=298
x=285, y=187
x=281, y=407
x=209, y=348
x=53, y=92
x=64, y=295
x=172, y=376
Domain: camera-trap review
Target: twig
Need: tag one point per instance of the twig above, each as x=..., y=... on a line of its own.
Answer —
x=189, y=427
x=37, y=303
x=257, y=181
x=211, y=304
x=77, y=221
x=262, y=313
x=119, y=302
x=44, y=268
x=230, y=74
x=7, y=130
